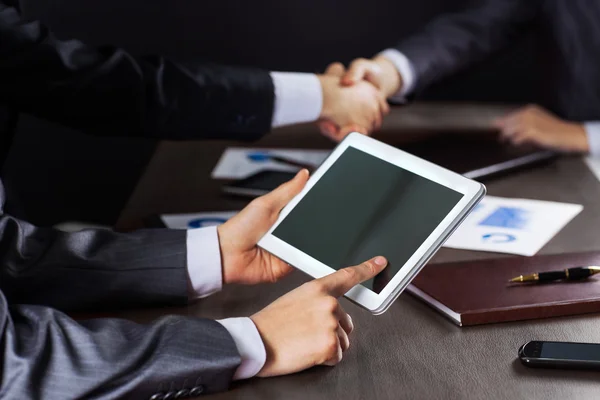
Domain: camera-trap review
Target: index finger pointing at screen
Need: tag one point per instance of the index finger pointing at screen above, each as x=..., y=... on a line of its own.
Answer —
x=341, y=281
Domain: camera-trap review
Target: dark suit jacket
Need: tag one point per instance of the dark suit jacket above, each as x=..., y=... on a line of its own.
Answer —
x=106, y=91
x=568, y=33
x=44, y=354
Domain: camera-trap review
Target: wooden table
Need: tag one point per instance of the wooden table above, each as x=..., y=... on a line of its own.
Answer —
x=411, y=351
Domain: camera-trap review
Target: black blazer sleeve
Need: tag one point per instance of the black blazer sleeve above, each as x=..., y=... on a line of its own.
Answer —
x=45, y=355
x=107, y=91
x=453, y=42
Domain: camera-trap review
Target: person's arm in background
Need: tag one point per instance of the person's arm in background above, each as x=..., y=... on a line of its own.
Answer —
x=445, y=46
x=454, y=42
x=107, y=91
x=535, y=125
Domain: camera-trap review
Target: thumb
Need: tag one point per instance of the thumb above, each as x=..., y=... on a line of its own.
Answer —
x=363, y=70
x=355, y=73
x=335, y=69
x=278, y=198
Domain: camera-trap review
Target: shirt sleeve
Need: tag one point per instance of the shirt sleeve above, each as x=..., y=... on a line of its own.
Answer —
x=204, y=262
x=206, y=278
x=249, y=344
x=298, y=98
x=406, y=71
x=592, y=130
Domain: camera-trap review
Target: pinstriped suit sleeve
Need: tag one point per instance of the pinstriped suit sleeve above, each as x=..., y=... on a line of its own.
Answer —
x=44, y=354
x=92, y=269
x=48, y=356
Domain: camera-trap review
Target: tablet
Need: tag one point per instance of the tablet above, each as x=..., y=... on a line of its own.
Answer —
x=369, y=199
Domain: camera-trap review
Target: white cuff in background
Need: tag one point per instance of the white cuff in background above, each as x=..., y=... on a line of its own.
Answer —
x=592, y=129
x=204, y=261
x=298, y=98
x=249, y=344
x=406, y=71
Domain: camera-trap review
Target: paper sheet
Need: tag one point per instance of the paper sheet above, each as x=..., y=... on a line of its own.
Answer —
x=196, y=220
x=594, y=164
x=235, y=162
x=515, y=226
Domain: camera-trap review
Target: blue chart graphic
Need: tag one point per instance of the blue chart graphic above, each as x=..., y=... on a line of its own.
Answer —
x=204, y=222
x=499, y=238
x=259, y=156
x=507, y=217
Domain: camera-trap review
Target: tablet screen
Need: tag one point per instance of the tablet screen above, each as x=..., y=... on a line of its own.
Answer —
x=363, y=207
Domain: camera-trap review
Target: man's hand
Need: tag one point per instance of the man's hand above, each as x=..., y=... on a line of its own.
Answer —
x=345, y=109
x=535, y=125
x=307, y=326
x=244, y=262
x=379, y=71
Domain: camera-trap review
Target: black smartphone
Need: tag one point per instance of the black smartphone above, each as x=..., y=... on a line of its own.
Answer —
x=258, y=184
x=564, y=355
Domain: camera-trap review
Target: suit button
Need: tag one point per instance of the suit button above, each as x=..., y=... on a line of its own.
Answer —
x=198, y=390
x=169, y=396
x=157, y=396
x=182, y=394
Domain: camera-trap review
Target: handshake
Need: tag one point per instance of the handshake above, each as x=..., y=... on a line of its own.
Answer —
x=355, y=99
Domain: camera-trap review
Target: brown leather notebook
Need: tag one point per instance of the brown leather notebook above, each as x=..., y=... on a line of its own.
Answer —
x=478, y=292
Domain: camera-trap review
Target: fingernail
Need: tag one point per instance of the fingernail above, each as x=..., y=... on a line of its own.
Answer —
x=381, y=261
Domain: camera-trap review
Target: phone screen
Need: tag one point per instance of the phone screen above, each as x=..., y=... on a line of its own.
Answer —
x=363, y=207
x=571, y=351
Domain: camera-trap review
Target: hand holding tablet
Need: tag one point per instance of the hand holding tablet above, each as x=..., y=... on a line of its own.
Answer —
x=366, y=200
x=307, y=326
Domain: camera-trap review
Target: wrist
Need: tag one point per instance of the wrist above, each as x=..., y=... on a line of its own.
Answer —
x=265, y=371
x=391, y=81
x=226, y=272
x=329, y=86
x=580, y=140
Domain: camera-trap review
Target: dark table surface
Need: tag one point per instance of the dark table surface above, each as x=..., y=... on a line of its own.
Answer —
x=411, y=351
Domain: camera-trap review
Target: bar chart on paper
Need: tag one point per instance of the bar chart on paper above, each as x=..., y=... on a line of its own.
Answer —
x=515, y=226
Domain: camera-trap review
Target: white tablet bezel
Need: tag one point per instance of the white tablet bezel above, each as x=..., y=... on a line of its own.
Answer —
x=377, y=303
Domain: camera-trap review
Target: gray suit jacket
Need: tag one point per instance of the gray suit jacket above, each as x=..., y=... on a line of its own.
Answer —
x=44, y=354
x=568, y=33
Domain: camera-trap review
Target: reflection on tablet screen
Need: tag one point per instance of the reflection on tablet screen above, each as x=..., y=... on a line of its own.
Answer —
x=364, y=207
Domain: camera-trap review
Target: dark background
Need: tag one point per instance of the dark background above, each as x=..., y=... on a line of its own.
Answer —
x=62, y=175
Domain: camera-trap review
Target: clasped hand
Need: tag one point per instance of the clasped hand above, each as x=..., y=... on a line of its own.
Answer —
x=355, y=99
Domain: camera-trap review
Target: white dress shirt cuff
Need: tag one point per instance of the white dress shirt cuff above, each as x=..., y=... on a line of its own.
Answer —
x=592, y=130
x=298, y=98
x=249, y=344
x=204, y=262
x=406, y=71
